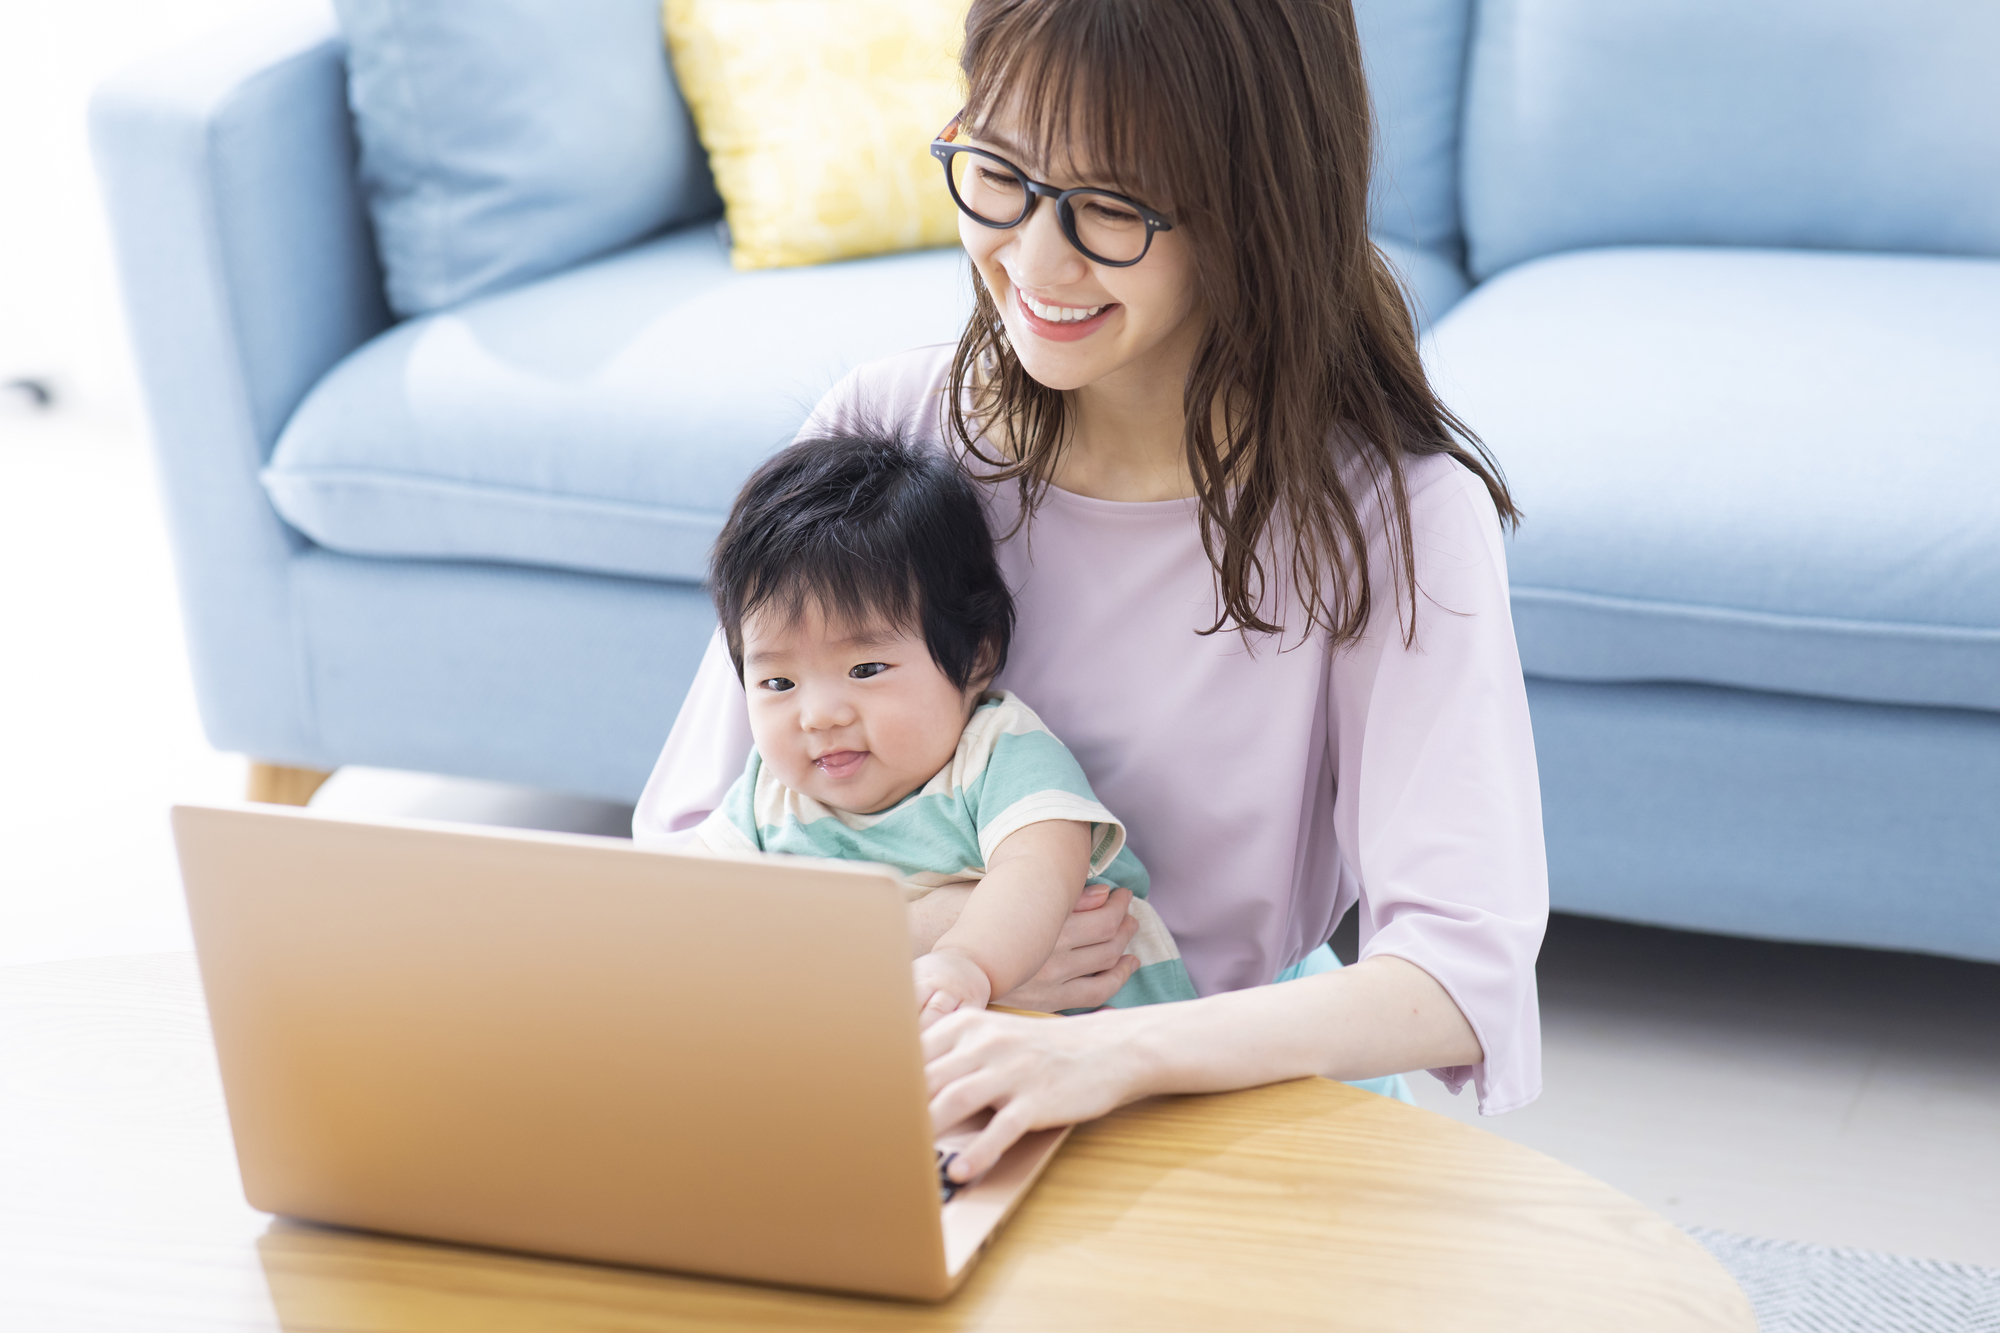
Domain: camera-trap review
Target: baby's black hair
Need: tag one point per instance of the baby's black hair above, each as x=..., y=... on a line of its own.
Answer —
x=871, y=527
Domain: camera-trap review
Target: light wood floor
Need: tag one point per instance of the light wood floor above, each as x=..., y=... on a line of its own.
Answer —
x=1842, y=1096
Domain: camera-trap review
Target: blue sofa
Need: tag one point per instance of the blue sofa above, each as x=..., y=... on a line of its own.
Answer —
x=1720, y=285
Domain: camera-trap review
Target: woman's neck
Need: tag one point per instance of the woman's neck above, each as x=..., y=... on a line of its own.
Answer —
x=1126, y=428
x=1125, y=444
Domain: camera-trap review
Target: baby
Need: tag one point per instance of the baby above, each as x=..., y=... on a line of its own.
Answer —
x=865, y=612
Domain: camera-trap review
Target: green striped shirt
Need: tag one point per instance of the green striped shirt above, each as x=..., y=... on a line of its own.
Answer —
x=1009, y=771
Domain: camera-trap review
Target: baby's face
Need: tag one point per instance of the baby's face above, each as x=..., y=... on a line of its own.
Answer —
x=857, y=719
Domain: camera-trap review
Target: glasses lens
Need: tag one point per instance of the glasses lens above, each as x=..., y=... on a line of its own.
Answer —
x=986, y=189
x=1107, y=227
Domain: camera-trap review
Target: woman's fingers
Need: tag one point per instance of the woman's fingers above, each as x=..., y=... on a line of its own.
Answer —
x=1091, y=992
x=1091, y=940
x=943, y=1037
x=964, y=1097
x=1084, y=969
x=969, y=1040
x=1096, y=990
x=1093, y=958
x=1084, y=992
x=1095, y=925
x=1002, y=1132
x=1032, y=1073
x=953, y=1046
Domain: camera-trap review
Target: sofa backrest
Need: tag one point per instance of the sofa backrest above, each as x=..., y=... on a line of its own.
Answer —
x=1414, y=51
x=510, y=138
x=505, y=139
x=1833, y=124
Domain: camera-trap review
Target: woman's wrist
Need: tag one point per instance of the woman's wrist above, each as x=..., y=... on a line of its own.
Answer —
x=1145, y=1048
x=1362, y=1022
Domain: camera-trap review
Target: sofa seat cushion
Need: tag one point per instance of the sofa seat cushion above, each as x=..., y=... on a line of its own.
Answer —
x=603, y=419
x=1777, y=470
x=598, y=420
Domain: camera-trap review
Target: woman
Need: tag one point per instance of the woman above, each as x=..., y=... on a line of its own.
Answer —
x=1261, y=584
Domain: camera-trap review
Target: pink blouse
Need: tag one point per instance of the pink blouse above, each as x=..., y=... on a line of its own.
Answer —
x=1266, y=791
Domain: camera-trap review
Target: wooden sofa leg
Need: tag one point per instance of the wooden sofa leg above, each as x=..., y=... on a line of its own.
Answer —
x=275, y=784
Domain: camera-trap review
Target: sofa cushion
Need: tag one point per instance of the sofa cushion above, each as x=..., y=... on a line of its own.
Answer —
x=599, y=420
x=1776, y=470
x=1433, y=282
x=603, y=419
x=1414, y=52
x=1805, y=123
x=818, y=121
x=511, y=138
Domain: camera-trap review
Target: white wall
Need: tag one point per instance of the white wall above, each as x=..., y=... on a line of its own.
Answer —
x=59, y=313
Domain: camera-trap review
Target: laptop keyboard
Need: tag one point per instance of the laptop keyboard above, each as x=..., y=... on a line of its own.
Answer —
x=946, y=1185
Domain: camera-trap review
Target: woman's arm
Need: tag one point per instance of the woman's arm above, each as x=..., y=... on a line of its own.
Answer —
x=1009, y=924
x=1438, y=819
x=1377, y=1017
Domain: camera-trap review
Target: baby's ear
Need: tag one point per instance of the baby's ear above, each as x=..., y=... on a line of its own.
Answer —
x=985, y=668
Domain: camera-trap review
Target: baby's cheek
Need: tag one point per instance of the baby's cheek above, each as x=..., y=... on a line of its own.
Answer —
x=925, y=744
x=778, y=744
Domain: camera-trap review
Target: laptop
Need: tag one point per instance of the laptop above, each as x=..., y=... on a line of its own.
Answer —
x=572, y=1046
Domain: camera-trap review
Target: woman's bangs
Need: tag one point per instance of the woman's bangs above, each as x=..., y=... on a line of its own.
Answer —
x=1069, y=82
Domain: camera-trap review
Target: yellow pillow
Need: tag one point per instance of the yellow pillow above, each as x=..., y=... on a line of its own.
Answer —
x=818, y=116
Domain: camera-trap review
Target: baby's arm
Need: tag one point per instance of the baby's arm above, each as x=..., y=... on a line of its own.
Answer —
x=1009, y=924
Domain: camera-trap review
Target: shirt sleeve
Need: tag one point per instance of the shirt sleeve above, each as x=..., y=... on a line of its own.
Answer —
x=706, y=752
x=1030, y=777
x=1437, y=802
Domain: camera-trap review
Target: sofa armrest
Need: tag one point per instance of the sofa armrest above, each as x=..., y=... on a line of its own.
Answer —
x=248, y=270
x=248, y=264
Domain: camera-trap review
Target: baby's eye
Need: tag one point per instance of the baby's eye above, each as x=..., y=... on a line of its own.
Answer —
x=867, y=669
x=775, y=684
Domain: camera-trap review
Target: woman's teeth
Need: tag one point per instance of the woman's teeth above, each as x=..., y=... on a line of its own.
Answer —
x=1060, y=314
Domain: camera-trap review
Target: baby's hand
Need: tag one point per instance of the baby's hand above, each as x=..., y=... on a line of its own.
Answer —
x=947, y=980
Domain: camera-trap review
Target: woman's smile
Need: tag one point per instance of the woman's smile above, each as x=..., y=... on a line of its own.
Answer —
x=1060, y=323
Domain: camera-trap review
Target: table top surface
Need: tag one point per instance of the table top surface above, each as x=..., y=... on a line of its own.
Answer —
x=1300, y=1205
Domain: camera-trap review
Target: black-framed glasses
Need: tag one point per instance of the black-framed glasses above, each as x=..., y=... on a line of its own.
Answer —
x=1105, y=227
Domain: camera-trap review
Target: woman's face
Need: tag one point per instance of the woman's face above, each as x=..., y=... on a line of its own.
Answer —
x=1146, y=320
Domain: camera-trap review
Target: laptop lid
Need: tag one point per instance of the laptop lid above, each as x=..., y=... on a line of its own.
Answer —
x=571, y=1045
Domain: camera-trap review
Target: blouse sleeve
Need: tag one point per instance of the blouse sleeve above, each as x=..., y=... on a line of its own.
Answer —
x=705, y=754
x=1437, y=803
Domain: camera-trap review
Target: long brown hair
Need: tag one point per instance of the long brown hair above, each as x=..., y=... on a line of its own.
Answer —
x=1248, y=123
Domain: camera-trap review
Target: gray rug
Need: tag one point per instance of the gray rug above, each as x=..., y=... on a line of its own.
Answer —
x=1798, y=1288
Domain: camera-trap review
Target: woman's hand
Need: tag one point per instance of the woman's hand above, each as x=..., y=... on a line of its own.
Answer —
x=1089, y=963
x=1084, y=970
x=1033, y=1072
x=1383, y=1015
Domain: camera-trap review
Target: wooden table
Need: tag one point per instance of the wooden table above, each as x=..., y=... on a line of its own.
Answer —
x=1303, y=1205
